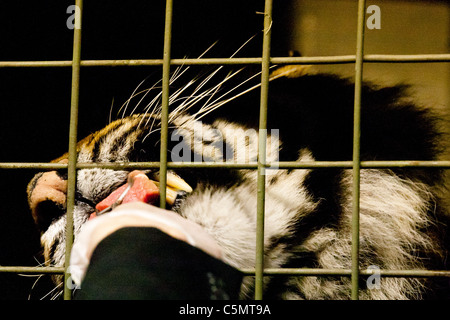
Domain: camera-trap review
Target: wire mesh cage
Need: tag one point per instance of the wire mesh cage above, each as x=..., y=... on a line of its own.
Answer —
x=264, y=61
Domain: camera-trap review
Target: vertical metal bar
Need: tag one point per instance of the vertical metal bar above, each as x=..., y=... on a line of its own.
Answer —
x=356, y=147
x=259, y=262
x=165, y=103
x=71, y=170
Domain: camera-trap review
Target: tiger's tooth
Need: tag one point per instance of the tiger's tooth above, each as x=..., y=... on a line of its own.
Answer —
x=176, y=182
x=171, y=194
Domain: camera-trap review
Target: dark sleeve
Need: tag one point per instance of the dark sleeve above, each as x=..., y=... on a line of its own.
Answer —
x=146, y=263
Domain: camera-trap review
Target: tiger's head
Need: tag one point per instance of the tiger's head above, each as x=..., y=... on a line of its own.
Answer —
x=136, y=138
x=124, y=140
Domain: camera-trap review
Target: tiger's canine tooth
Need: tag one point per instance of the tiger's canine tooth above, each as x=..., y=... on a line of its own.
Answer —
x=176, y=182
x=171, y=194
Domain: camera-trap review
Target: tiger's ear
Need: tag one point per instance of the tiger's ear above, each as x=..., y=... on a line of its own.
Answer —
x=46, y=198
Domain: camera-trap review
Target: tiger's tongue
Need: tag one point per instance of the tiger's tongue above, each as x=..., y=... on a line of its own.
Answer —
x=143, y=190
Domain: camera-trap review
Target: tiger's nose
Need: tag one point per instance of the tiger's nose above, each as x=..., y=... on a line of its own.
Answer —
x=47, y=198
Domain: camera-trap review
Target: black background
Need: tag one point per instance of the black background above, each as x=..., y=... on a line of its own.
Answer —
x=35, y=102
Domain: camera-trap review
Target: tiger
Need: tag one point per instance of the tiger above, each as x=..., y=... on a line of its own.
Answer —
x=214, y=118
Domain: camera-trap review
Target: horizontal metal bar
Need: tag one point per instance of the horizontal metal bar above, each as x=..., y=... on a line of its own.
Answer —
x=348, y=272
x=372, y=58
x=416, y=58
x=34, y=64
x=127, y=165
x=130, y=63
x=270, y=271
x=33, y=165
x=364, y=164
x=274, y=165
x=445, y=164
x=368, y=58
x=19, y=269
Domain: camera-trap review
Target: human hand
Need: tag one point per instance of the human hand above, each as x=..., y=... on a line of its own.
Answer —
x=136, y=214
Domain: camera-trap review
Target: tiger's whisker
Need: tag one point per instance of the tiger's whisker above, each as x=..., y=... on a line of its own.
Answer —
x=110, y=111
x=125, y=105
x=213, y=106
x=52, y=290
x=34, y=285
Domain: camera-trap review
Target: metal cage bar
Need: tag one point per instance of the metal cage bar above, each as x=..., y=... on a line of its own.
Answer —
x=72, y=157
x=348, y=272
x=165, y=104
x=262, y=140
x=265, y=61
x=443, y=164
x=347, y=59
x=356, y=147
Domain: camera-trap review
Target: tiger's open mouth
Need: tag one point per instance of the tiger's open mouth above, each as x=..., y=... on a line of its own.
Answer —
x=139, y=187
x=47, y=194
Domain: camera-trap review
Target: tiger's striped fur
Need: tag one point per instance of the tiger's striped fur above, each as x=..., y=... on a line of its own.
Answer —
x=308, y=211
